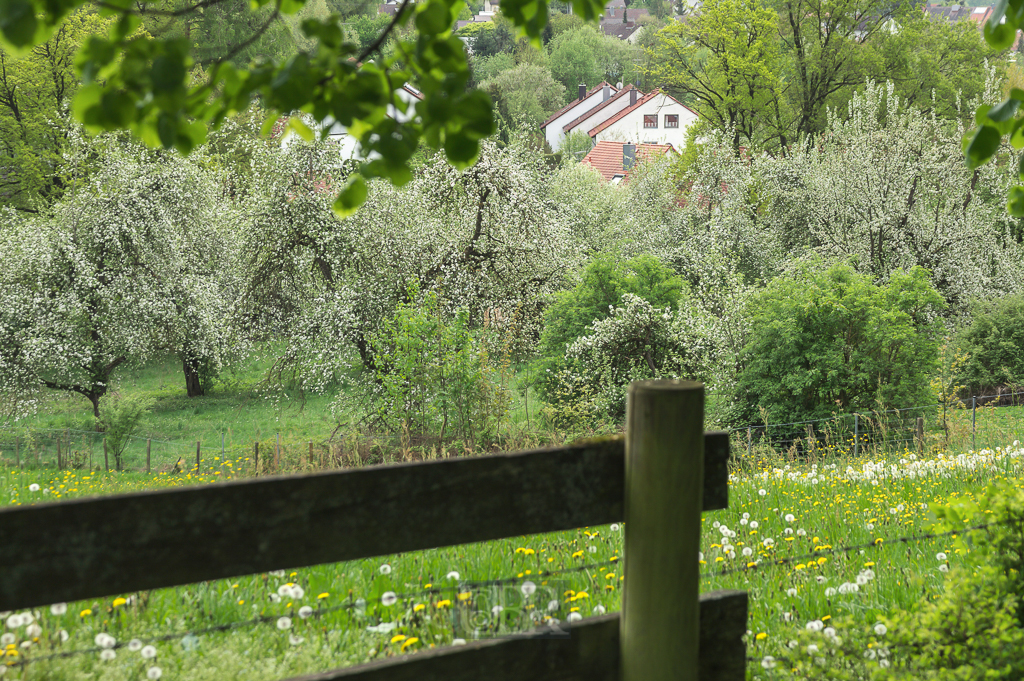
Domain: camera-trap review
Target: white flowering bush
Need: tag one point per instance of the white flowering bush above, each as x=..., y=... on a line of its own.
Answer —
x=126, y=265
x=637, y=341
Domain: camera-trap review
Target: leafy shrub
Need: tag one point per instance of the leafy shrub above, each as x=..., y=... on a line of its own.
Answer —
x=825, y=341
x=605, y=280
x=120, y=419
x=431, y=378
x=994, y=343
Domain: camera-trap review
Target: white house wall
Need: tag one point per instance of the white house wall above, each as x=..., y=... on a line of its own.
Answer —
x=553, y=132
x=630, y=128
x=604, y=114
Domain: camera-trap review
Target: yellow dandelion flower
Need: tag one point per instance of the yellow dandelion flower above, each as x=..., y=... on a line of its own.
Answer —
x=398, y=637
x=409, y=642
x=323, y=595
x=85, y=613
x=118, y=602
x=418, y=607
x=443, y=604
x=761, y=636
x=465, y=596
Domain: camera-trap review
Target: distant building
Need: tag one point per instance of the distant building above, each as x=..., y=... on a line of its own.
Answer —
x=585, y=102
x=623, y=114
x=654, y=118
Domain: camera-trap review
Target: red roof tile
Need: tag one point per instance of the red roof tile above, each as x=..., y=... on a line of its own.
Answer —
x=579, y=119
x=574, y=102
x=606, y=158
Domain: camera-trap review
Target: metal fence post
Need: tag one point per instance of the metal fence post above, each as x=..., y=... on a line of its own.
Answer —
x=749, y=440
x=149, y=444
x=660, y=621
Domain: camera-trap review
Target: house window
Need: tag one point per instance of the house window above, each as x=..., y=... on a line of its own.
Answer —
x=650, y=120
x=671, y=120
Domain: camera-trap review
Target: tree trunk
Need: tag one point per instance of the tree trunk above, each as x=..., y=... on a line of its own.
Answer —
x=193, y=386
x=94, y=397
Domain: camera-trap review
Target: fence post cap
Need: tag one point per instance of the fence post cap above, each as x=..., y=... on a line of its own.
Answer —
x=657, y=384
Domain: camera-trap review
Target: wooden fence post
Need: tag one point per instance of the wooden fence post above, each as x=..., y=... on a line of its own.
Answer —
x=256, y=459
x=59, y=466
x=920, y=435
x=149, y=444
x=106, y=461
x=310, y=453
x=17, y=456
x=198, y=459
x=750, y=439
x=277, y=455
x=974, y=430
x=660, y=621
x=856, y=434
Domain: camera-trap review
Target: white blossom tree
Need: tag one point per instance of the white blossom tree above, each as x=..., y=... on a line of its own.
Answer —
x=126, y=266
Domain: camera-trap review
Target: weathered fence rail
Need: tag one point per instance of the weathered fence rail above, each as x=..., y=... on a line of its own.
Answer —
x=591, y=653
x=89, y=548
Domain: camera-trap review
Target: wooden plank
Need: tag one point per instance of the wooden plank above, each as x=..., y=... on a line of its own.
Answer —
x=118, y=544
x=723, y=623
x=590, y=653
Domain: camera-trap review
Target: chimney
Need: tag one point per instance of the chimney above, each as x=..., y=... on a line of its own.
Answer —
x=606, y=92
x=583, y=92
x=632, y=96
x=628, y=156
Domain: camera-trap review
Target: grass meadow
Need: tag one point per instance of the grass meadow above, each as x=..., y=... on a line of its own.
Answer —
x=297, y=621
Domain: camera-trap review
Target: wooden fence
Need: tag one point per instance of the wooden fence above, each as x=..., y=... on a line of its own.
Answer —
x=657, y=479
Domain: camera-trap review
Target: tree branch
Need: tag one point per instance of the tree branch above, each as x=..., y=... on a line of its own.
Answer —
x=376, y=44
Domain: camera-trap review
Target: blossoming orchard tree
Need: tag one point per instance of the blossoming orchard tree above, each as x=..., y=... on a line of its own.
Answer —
x=489, y=239
x=126, y=266
x=142, y=83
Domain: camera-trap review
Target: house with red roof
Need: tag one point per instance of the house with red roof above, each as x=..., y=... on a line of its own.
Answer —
x=615, y=161
x=585, y=102
x=626, y=116
x=654, y=118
